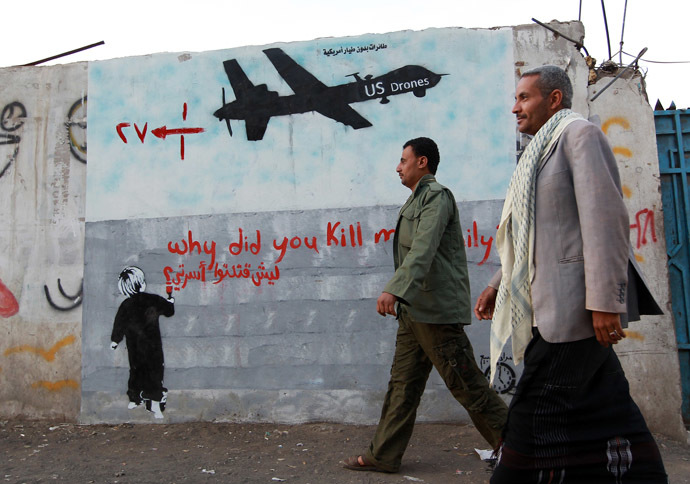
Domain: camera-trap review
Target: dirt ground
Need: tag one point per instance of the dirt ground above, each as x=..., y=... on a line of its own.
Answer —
x=40, y=451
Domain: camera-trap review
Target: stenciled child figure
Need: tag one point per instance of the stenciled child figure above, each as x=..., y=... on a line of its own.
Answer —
x=137, y=321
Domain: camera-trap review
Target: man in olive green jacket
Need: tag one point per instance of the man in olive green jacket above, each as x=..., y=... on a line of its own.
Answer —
x=431, y=290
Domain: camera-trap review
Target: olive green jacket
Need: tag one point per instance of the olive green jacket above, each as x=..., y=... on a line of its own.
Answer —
x=431, y=277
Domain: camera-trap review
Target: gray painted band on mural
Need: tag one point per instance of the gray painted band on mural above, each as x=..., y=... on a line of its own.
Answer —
x=311, y=331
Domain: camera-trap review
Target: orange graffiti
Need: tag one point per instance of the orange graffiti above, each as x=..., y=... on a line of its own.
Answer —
x=55, y=386
x=627, y=192
x=615, y=120
x=639, y=258
x=636, y=335
x=48, y=355
x=619, y=150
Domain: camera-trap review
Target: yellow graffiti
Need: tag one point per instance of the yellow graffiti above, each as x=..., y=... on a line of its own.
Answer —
x=615, y=120
x=639, y=258
x=620, y=150
x=636, y=335
x=627, y=192
x=55, y=386
x=48, y=355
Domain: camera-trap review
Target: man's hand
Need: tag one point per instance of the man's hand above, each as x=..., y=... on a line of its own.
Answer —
x=607, y=327
x=113, y=345
x=484, y=309
x=386, y=304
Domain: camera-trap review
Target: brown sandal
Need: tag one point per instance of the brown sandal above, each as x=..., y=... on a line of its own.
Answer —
x=359, y=463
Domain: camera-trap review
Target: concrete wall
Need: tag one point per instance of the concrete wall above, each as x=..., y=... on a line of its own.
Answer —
x=42, y=189
x=306, y=201
x=649, y=355
x=296, y=337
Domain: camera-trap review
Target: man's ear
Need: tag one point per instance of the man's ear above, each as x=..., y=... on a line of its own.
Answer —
x=555, y=100
x=422, y=162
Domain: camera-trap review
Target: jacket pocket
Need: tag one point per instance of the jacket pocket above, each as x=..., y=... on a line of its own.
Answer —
x=572, y=259
x=457, y=354
x=409, y=220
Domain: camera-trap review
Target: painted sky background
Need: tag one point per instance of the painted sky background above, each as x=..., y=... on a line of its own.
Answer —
x=304, y=161
x=39, y=29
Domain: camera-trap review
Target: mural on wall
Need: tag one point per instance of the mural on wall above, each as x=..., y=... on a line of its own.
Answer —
x=137, y=322
x=11, y=119
x=506, y=378
x=145, y=112
x=256, y=104
x=270, y=216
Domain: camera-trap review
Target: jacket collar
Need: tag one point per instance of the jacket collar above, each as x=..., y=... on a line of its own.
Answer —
x=425, y=180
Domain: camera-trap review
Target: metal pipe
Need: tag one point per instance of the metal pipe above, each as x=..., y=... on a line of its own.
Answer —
x=579, y=45
x=63, y=54
x=625, y=11
x=606, y=26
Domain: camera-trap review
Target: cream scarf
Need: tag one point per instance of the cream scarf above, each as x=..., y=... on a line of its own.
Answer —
x=515, y=242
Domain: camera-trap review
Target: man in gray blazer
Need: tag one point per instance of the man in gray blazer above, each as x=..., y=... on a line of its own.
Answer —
x=562, y=296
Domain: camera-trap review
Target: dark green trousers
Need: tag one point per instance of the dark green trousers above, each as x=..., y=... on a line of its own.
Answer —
x=418, y=348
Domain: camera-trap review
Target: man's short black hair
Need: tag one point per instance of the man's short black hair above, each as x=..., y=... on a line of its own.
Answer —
x=425, y=147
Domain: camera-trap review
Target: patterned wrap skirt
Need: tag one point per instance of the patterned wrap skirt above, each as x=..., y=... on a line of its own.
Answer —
x=572, y=420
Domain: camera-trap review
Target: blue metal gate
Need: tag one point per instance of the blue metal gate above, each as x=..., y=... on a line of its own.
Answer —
x=673, y=144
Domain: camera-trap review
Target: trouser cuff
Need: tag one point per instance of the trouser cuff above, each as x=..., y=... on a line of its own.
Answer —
x=388, y=468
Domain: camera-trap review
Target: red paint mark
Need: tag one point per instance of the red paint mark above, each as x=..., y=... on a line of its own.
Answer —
x=474, y=240
x=487, y=244
x=191, y=245
x=642, y=229
x=470, y=235
x=8, y=303
x=141, y=134
x=163, y=131
x=168, y=282
x=333, y=239
x=243, y=244
x=386, y=234
x=218, y=273
x=247, y=243
x=119, y=131
x=294, y=243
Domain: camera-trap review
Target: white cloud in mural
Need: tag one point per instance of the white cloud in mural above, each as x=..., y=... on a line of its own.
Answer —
x=303, y=160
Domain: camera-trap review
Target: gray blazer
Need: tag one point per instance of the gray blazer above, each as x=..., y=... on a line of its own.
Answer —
x=582, y=239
